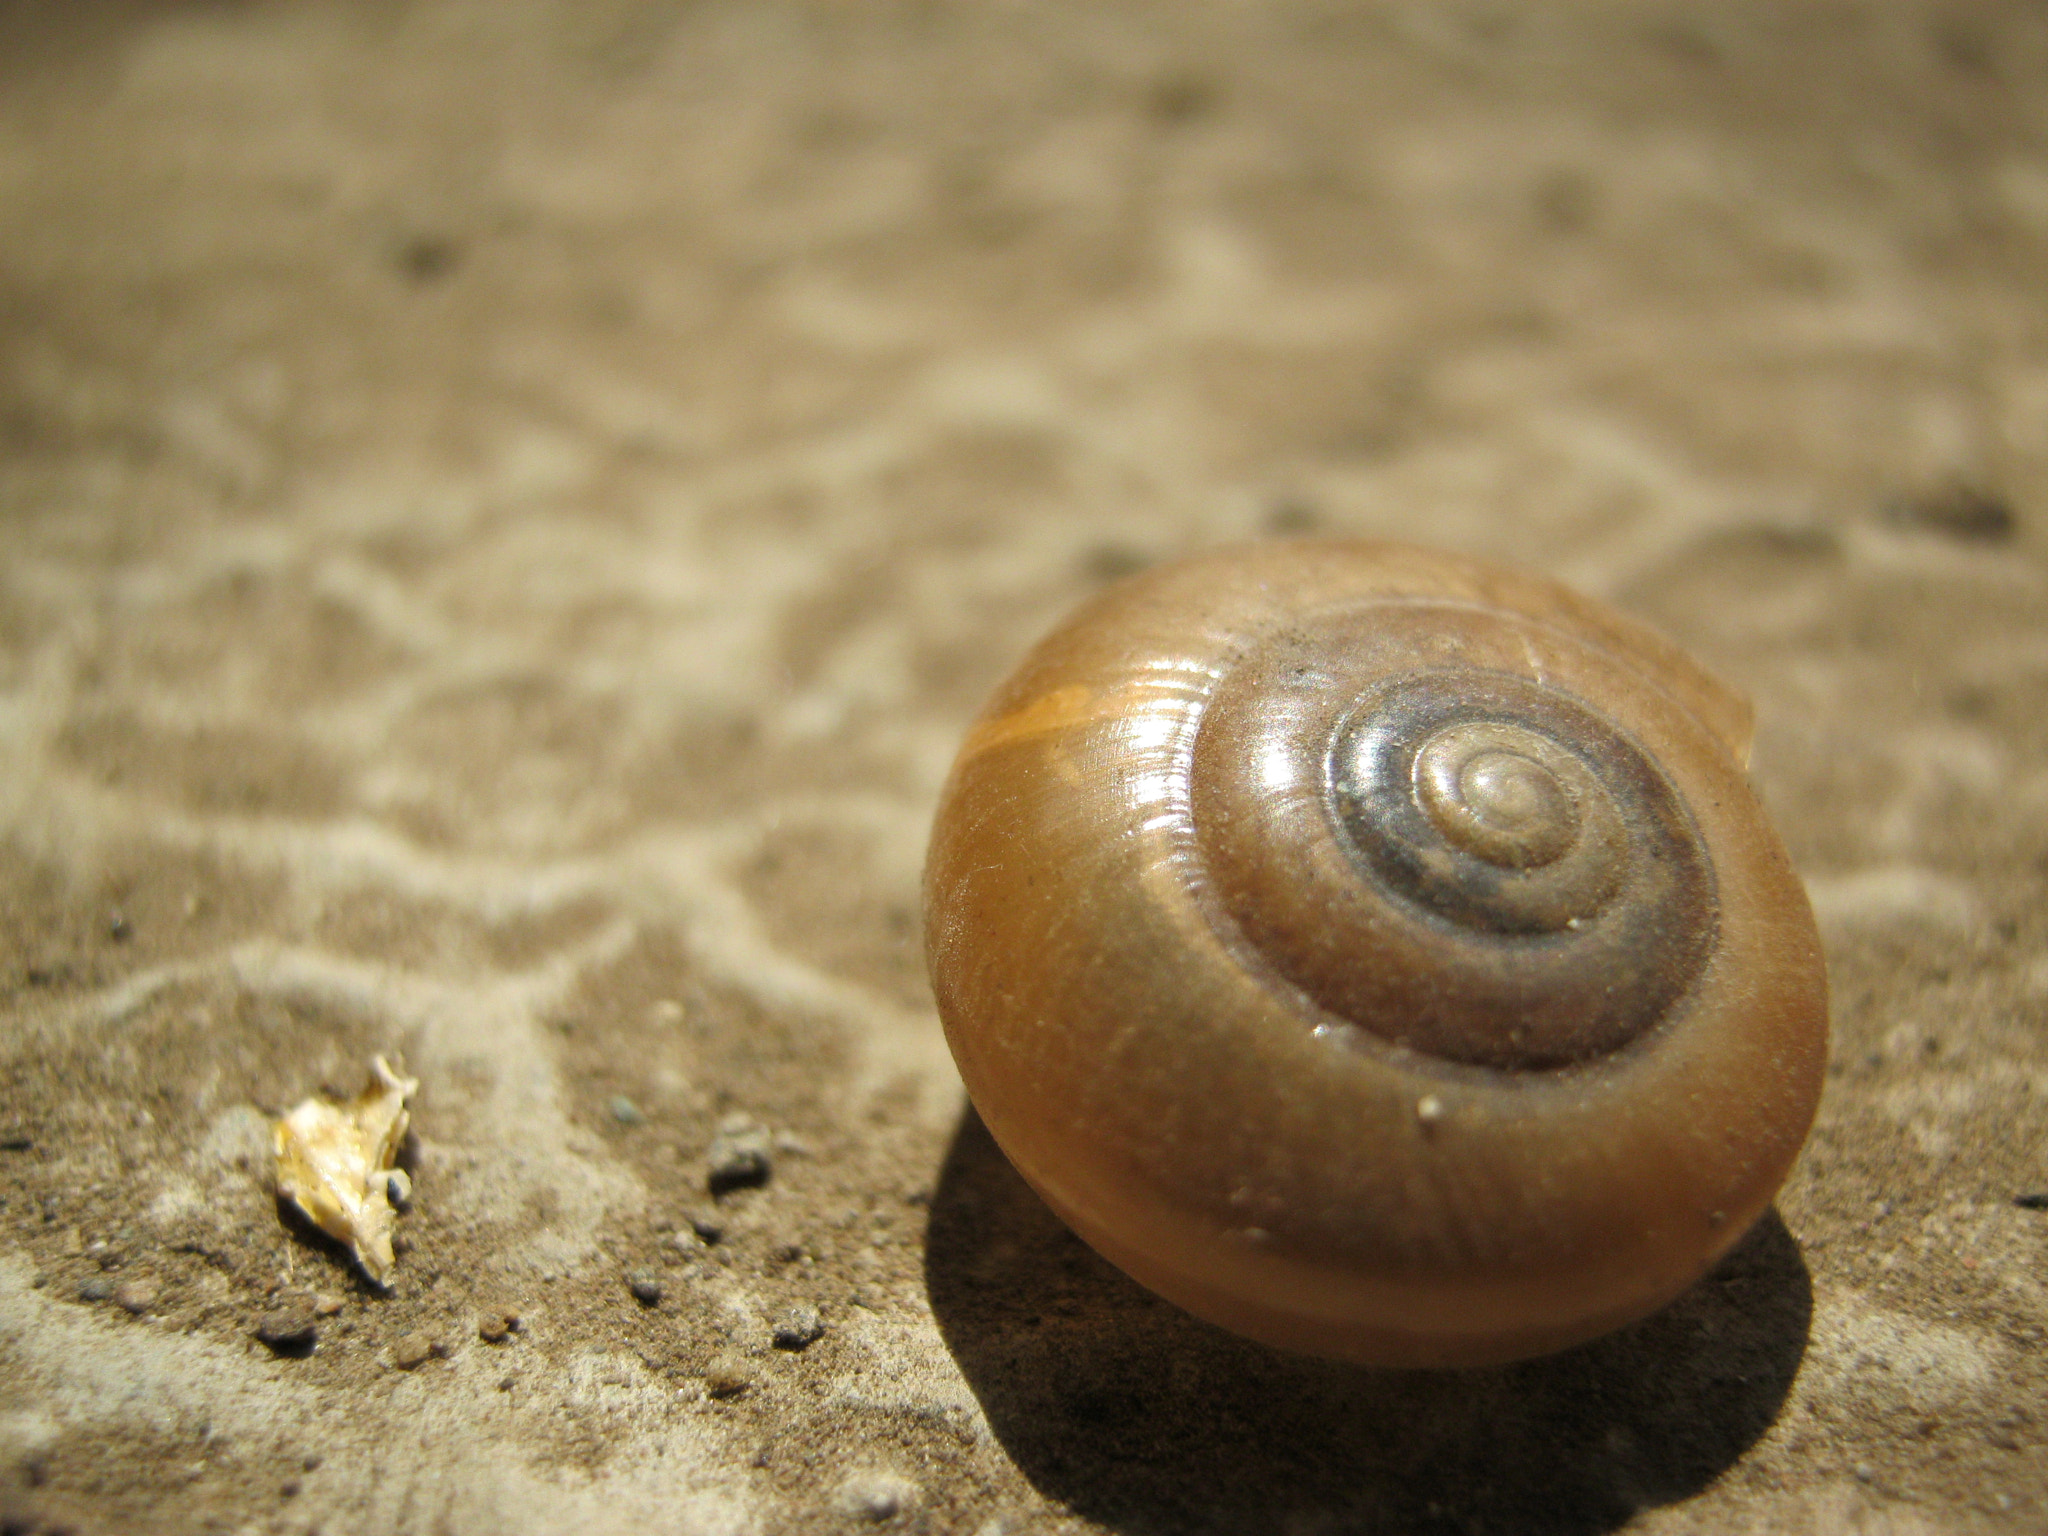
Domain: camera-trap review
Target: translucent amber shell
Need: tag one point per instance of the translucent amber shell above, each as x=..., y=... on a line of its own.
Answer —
x=1376, y=952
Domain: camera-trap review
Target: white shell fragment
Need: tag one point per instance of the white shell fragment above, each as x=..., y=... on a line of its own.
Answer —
x=335, y=1163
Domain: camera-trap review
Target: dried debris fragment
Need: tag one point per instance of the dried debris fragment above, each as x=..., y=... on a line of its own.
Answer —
x=335, y=1162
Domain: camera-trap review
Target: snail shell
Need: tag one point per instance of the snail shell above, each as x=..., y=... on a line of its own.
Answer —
x=1376, y=952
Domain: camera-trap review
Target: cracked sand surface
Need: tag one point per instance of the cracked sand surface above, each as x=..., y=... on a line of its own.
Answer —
x=509, y=508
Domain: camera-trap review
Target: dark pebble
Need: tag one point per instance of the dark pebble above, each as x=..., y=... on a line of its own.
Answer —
x=645, y=1288
x=1292, y=516
x=738, y=1158
x=1113, y=562
x=289, y=1330
x=800, y=1327
x=427, y=258
x=2032, y=1201
x=1960, y=511
x=98, y=1288
x=709, y=1229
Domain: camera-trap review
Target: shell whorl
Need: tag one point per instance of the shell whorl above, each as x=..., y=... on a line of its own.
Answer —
x=1368, y=823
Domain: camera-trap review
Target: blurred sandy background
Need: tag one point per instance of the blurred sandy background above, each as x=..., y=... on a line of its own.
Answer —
x=509, y=506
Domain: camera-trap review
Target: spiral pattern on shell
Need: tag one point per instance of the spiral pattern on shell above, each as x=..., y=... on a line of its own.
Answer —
x=1377, y=952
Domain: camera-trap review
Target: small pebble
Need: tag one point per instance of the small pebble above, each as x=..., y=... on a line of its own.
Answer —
x=425, y=258
x=398, y=1189
x=729, y=1374
x=1112, y=561
x=289, y=1329
x=119, y=928
x=799, y=1328
x=708, y=1228
x=325, y=1304
x=137, y=1296
x=645, y=1287
x=98, y=1288
x=2032, y=1201
x=625, y=1111
x=416, y=1349
x=877, y=1497
x=738, y=1158
x=1959, y=510
x=289, y=1488
x=495, y=1327
x=1292, y=515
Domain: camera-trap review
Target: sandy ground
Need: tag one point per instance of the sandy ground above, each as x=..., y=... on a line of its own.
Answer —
x=509, y=507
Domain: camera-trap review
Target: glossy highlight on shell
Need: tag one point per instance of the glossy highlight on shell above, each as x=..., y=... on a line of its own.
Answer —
x=1377, y=952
